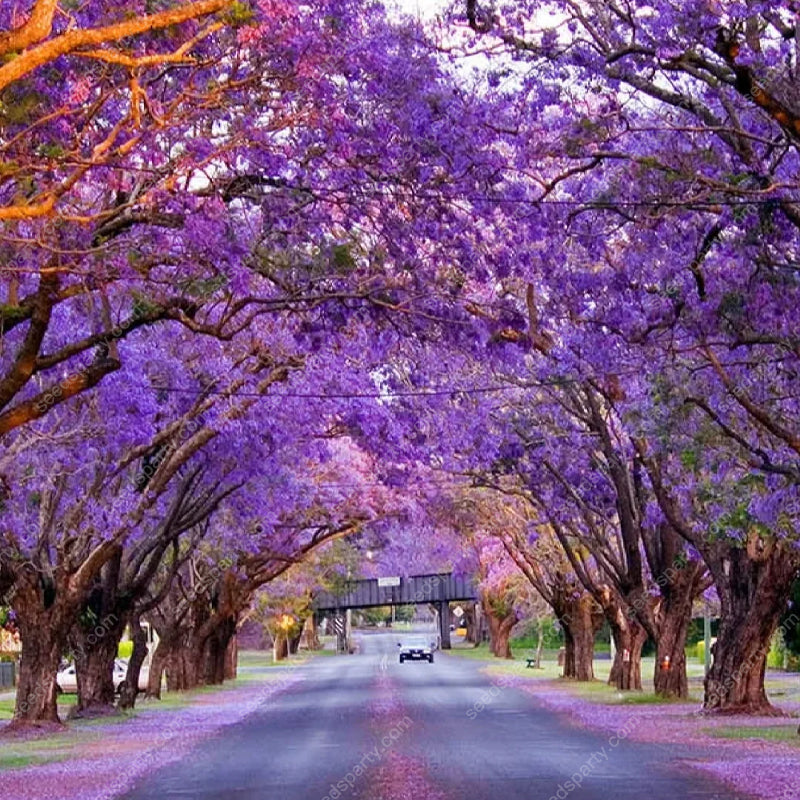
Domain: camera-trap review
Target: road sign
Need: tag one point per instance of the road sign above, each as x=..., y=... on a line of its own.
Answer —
x=458, y=611
x=388, y=582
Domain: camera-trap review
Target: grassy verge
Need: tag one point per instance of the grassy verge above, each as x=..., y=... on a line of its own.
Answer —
x=601, y=693
x=16, y=755
x=257, y=668
x=776, y=733
x=65, y=702
x=781, y=687
x=253, y=669
x=6, y=709
x=598, y=691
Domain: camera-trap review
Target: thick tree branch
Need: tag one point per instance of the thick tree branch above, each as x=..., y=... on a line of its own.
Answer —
x=56, y=394
x=73, y=40
x=36, y=29
x=24, y=365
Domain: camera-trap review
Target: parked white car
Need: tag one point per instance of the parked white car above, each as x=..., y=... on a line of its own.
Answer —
x=122, y=664
x=67, y=679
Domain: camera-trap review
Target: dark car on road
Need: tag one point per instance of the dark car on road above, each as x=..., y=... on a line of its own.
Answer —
x=417, y=649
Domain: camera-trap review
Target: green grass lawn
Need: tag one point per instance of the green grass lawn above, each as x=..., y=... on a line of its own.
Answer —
x=14, y=755
x=600, y=692
x=6, y=709
x=65, y=702
x=255, y=667
x=781, y=687
x=776, y=733
x=249, y=659
x=256, y=659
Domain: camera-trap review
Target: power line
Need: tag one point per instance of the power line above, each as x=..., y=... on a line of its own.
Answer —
x=357, y=192
x=341, y=395
x=612, y=204
x=552, y=383
x=385, y=395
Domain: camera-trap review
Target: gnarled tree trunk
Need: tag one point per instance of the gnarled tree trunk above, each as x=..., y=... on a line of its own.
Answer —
x=214, y=649
x=158, y=664
x=754, y=584
x=626, y=671
x=232, y=659
x=629, y=637
x=130, y=687
x=500, y=632
x=95, y=645
x=580, y=622
x=280, y=647
x=675, y=615
x=43, y=643
x=501, y=618
x=182, y=667
x=44, y=614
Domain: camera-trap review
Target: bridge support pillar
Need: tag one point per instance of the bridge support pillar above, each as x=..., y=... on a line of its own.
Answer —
x=340, y=629
x=443, y=609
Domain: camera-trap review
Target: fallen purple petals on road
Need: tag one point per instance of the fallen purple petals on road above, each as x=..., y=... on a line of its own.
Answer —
x=401, y=777
x=398, y=776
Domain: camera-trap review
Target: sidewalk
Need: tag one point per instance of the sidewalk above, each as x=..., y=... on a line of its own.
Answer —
x=758, y=757
x=101, y=760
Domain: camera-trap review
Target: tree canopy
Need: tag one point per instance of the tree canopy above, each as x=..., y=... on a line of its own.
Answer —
x=514, y=294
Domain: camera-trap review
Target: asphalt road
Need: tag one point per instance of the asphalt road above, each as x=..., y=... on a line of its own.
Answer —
x=367, y=727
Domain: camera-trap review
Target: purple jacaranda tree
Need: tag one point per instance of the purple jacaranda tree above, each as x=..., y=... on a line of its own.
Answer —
x=481, y=519
x=660, y=250
x=245, y=163
x=583, y=477
x=296, y=223
x=286, y=515
x=541, y=558
x=80, y=491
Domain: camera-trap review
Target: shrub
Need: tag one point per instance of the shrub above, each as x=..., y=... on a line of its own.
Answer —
x=700, y=649
x=527, y=635
x=125, y=649
x=777, y=651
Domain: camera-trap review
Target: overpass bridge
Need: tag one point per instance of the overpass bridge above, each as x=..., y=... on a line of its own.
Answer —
x=437, y=589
